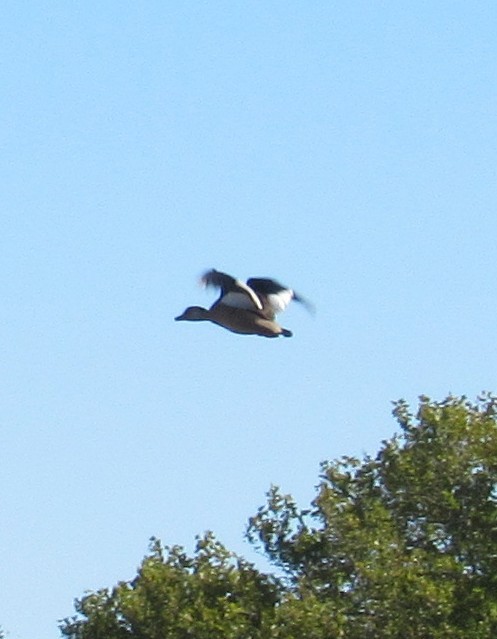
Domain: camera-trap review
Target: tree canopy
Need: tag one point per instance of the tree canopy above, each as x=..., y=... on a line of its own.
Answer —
x=399, y=545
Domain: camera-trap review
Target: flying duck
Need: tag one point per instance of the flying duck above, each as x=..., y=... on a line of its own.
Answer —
x=248, y=309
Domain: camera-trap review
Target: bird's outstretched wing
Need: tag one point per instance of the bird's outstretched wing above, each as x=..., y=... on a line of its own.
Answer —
x=233, y=292
x=274, y=296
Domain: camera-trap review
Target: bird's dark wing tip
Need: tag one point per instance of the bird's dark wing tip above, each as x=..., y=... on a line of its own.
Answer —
x=309, y=306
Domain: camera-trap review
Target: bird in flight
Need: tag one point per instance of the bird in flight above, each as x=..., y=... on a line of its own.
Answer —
x=248, y=309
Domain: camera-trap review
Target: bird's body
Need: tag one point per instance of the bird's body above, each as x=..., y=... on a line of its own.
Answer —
x=248, y=309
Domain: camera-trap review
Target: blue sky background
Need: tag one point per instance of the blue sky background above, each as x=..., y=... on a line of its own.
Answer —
x=348, y=149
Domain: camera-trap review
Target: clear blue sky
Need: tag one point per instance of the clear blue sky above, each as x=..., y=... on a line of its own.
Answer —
x=348, y=149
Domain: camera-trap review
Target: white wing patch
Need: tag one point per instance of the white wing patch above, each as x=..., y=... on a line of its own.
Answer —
x=237, y=299
x=279, y=301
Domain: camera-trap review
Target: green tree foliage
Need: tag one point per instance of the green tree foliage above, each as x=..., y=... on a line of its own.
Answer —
x=402, y=545
x=212, y=594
